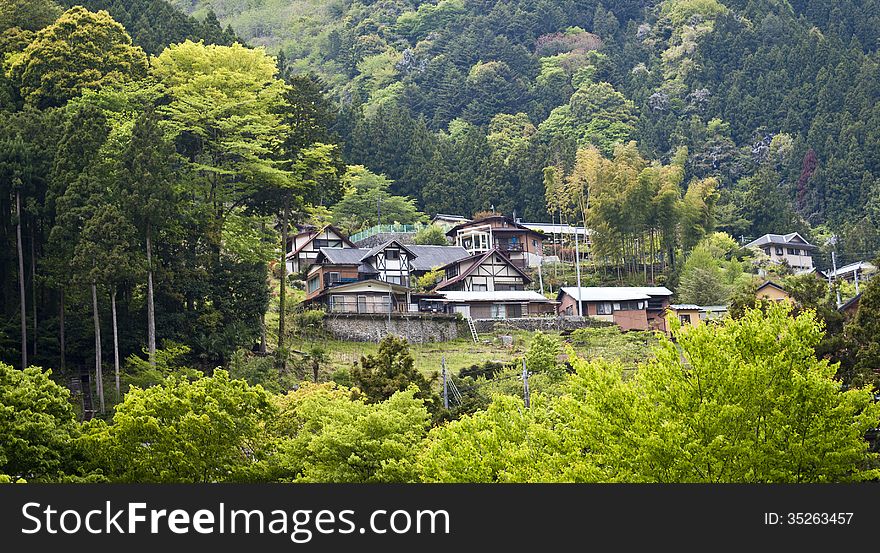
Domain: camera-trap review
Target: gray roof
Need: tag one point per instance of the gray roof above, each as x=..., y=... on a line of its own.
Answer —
x=616, y=293
x=685, y=307
x=863, y=266
x=431, y=257
x=343, y=256
x=380, y=247
x=507, y=295
x=790, y=239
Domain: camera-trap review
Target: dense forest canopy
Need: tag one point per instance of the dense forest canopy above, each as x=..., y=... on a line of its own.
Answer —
x=730, y=80
x=654, y=123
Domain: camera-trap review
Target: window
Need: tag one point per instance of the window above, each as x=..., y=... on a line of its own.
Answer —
x=509, y=287
x=603, y=308
x=779, y=250
x=313, y=284
x=499, y=311
x=480, y=287
x=535, y=244
x=392, y=254
x=794, y=251
x=394, y=279
x=684, y=319
x=332, y=278
x=629, y=306
x=337, y=303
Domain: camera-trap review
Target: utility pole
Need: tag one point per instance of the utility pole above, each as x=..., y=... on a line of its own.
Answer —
x=834, y=266
x=540, y=275
x=577, y=266
x=378, y=210
x=445, y=386
x=525, y=377
x=856, y=277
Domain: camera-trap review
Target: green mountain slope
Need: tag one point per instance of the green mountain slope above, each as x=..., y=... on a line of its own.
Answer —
x=777, y=99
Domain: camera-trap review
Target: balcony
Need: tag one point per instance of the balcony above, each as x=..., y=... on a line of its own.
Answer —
x=364, y=306
x=337, y=281
x=509, y=247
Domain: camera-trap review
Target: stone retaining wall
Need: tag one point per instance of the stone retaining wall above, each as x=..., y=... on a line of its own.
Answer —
x=417, y=329
x=539, y=323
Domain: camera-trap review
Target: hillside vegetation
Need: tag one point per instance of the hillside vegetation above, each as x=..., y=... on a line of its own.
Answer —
x=462, y=103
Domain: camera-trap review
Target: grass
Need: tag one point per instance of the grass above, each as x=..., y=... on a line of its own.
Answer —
x=629, y=348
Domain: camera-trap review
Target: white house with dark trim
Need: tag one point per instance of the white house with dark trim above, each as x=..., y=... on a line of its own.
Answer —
x=792, y=249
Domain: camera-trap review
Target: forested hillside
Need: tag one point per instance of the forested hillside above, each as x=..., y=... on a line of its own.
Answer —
x=463, y=103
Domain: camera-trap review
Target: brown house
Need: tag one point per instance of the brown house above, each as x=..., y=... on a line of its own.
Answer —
x=522, y=245
x=349, y=279
x=631, y=308
x=303, y=248
x=490, y=286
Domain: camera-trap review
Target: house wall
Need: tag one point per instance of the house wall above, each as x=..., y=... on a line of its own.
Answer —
x=693, y=313
x=345, y=272
x=636, y=319
x=626, y=320
x=773, y=294
x=802, y=261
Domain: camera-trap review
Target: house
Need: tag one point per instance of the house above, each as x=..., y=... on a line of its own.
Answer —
x=490, y=285
x=854, y=272
x=303, y=248
x=448, y=221
x=390, y=270
x=508, y=304
x=791, y=248
x=850, y=307
x=630, y=307
x=694, y=315
x=522, y=245
x=770, y=291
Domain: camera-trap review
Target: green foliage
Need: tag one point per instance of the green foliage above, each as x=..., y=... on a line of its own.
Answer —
x=431, y=235
x=37, y=425
x=429, y=280
x=727, y=403
x=324, y=434
x=366, y=197
x=543, y=355
x=391, y=370
x=170, y=361
x=208, y=430
x=862, y=336
x=80, y=51
x=713, y=269
x=30, y=15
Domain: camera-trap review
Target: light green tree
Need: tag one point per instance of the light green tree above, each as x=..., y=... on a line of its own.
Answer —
x=81, y=51
x=744, y=401
x=328, y=434
x=208, y=430
x=37, y=425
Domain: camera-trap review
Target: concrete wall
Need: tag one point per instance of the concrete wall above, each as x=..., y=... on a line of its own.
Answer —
x=538, y=323
x=417, y=329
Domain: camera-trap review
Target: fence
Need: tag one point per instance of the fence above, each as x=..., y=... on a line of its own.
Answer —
x=380, y=229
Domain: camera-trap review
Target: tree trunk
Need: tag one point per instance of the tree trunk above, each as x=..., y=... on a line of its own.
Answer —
x=61, y=341
x=34, y=284
x=282, y=292
x=115, y=341
x=151, y=314
x=98, y=373
x=24, y=353
x=262, y=333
